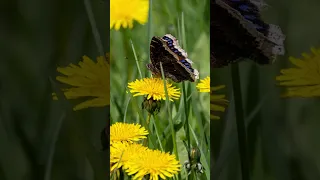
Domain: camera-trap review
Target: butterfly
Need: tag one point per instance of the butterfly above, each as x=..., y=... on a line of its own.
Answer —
x=174, y=59
x=237, y=32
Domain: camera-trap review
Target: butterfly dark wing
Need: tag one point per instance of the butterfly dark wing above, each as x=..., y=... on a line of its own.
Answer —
x=250, y=12
x=229, y=40
x=237, y=32
x=171, y=67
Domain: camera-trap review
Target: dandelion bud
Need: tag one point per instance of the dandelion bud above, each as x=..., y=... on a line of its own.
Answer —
x=152, y=106
x=195, y=155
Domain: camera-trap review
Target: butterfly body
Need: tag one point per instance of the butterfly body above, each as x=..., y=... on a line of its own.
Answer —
x=174, y=60
x=238, y=32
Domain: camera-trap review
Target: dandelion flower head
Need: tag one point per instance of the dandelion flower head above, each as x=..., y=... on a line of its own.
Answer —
x=217, y=101
x=124, y=12
x=153, y=162
x=88, y=79
x=204, y=85
x=125, y=132
x=120, y=153
x=153, y=88
x=304, y=79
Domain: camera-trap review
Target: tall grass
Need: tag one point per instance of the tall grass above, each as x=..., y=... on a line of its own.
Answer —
x=186, y=118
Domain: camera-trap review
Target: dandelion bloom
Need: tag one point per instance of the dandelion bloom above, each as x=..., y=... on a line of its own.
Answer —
x=217, y=101
x=89, y=79
x=204, y=85
x=125, y=132
x=124, y=12
x=303, y=80
x=153, y=88
x=120, y=153
x=154, y=163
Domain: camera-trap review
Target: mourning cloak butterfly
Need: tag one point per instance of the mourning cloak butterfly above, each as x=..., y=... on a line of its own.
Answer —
x=174, y=59
x=238, y=32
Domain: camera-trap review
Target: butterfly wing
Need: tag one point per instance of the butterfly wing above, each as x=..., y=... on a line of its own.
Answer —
x=229, y=40
x=171, y=67
x=237, y=32
x=250, y=12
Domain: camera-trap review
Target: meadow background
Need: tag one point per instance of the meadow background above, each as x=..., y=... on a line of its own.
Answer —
x=42, y=139
x=188, y=21
x=283, y=134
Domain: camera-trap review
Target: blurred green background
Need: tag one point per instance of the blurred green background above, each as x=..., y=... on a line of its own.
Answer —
x=167, y=17
x=40, y=138
x=283, y=134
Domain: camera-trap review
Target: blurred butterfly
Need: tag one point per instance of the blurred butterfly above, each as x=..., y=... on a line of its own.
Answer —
x=238, y=32
x=174, y=59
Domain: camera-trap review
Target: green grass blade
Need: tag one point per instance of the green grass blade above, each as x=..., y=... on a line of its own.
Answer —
x=136, y=58
x=241, y=129
x=95, y=31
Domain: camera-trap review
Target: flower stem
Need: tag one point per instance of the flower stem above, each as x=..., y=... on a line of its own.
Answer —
x=149, y=31
x=242, y=137
x=186, y=110
x=156, y=128
x=145, y=141
x=173, y=133
x=148, y=120
x=149, y=25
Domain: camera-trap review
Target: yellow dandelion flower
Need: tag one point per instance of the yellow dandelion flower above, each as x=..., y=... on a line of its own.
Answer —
x=204, y=85
x=217, y=101
x=125, y=132
x=304, y=80
x=154, y=163
x=89, y=79
x=153, y=88
x=124, y=12
x=120, y=153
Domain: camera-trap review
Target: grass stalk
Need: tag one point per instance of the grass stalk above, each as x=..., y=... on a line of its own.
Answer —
x=173, y=133
x=149, y=26
x=181, y=30
x=156, y=129
x=126, y=110
x=58, y=125
x=136, y=58
x=94, y=28
x=186, y=110
x=242, y=137
x=146, y=141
